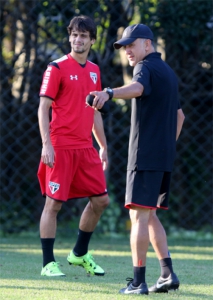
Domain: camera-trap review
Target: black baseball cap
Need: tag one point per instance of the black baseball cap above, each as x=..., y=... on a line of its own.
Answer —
x=133, y=32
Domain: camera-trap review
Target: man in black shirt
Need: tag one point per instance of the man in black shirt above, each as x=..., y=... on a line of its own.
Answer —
x=156, y=123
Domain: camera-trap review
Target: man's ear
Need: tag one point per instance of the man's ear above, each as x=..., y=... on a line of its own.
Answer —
x=148, y=43
x=92, y=41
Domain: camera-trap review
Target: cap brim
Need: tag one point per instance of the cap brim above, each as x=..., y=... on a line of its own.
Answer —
x=123, y=42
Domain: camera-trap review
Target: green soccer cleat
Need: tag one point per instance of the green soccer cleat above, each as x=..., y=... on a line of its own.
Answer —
x=87, y=262
x=52, y=269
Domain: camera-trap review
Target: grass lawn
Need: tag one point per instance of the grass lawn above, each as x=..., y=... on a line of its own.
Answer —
x=20, y=267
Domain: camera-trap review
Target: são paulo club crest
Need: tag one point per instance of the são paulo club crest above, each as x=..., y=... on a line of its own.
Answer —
x=94, y=77
x=54, y=187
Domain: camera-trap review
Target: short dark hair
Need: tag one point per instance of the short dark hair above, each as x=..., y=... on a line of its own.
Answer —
x=83, y=23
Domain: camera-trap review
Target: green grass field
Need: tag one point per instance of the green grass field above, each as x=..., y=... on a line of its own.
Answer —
x=20, y=267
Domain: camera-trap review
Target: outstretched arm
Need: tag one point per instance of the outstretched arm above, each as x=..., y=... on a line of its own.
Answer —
x=132, y=90
x=98, y=131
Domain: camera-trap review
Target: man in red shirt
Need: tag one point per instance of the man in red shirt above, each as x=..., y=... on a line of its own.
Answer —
x=70, y=166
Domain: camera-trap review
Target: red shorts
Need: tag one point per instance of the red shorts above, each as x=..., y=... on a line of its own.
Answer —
x=77, y=173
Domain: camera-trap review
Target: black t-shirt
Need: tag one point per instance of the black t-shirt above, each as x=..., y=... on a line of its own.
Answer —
x=152, y=143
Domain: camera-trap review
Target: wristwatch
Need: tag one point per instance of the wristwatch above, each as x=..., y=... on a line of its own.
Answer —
x=109, y=91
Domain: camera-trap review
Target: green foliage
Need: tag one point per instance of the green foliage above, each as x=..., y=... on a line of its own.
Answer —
x=187, y=25
x=111, y=221
x=145, y=12
x=11, y=222
x=16, y=213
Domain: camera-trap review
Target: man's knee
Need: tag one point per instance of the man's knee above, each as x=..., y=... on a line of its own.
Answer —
x=103, y=201
x=139, y=214
x=153, y=216
x=100, y=202
x=52, y=205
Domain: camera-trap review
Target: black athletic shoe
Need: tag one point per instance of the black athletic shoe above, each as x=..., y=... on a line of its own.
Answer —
x=130, y=289
x=163, y=285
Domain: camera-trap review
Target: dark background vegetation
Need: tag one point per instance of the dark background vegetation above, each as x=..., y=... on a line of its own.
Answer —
x=33, y=33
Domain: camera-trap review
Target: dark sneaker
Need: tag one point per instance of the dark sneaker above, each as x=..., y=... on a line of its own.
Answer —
x=130, y=289
x=163, y=285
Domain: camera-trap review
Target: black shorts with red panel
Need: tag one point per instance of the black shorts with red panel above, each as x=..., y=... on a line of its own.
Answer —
x=147, y=189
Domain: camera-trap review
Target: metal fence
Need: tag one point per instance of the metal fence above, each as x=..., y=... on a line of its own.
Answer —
x=33, y=33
